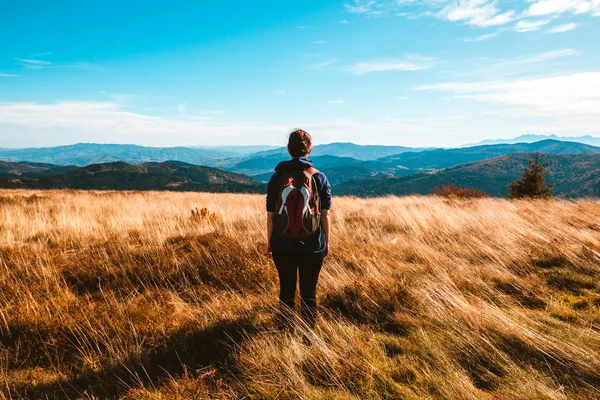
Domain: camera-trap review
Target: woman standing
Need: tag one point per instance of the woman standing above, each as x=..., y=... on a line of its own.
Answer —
x=298, y=204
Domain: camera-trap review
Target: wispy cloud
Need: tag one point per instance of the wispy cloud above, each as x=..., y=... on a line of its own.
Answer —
x=482, y=38
x=577, y=93
x=181, y=108
x=336, y=101
x=550, y=7
x=367, y=7
x=480, y=13
x=412, y=63
x=319, y=42
x=541, y=57
x=564, y=28
x=6, y=75
x=106, y=122
x=530, y=25
x=33, y=63
x=344, y=21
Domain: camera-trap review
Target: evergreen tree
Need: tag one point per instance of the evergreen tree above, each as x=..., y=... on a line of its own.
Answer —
x=533, y=181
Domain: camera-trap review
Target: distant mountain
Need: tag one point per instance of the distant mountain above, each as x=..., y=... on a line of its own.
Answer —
x=267, y=164
x=359, y=152
x=575, y=175
x=236, y=151
x=337, y=169
x=89, y=153
x=444, y=158
x=20, y=168
x=342, y=169
x=530, y=138
x=325, y=156
x=171, y=175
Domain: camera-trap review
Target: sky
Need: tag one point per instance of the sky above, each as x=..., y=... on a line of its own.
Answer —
x=403, y=72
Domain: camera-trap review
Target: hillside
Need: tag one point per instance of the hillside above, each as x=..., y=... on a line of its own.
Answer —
x=530, y=138
x=20, y=168
x=170, y=175
x=575, y=175
x=266, y=165
x=344, y=169
x=357, y=151
x=225, y=157
x=444, y=158
x=82, y=154
x=121, y=295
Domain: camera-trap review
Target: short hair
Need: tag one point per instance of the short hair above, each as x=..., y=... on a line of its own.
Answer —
x=299, y=143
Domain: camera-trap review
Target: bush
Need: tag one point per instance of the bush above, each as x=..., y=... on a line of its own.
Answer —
x=455, y=192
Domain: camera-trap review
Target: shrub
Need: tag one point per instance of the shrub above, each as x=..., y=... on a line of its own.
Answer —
x=455, y=192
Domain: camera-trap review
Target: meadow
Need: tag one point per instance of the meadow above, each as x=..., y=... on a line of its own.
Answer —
x=154, y=295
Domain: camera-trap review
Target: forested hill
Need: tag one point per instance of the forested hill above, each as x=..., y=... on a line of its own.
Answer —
x=575, y=175
x=172, y=175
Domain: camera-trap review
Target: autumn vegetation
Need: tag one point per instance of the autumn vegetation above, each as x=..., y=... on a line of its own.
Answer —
x=156, y=295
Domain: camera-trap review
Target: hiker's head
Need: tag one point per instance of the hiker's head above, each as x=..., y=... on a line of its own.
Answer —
x=299, y=144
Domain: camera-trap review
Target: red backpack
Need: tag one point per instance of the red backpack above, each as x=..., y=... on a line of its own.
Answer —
x=297, y=213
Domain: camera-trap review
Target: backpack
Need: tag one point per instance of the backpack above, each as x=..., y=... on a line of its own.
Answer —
x=297, y=213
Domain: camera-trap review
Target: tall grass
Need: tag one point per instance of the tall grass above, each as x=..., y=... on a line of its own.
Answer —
x=170, y=295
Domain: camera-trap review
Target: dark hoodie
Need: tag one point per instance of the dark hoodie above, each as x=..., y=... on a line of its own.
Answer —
x=316, y=242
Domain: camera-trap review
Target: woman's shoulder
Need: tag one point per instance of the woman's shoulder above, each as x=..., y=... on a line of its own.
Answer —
x=321, y=177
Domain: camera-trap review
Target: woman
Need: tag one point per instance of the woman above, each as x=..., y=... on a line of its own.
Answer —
x=298, y=203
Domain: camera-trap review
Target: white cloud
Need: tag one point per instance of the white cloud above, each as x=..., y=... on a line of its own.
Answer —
x=483, y=37
x=413, y=63
x=480, y=13
x=27, y=124
x=368, y=7
x=530, y=25
x=319, y=42
x=563, y=28
x=336, y=101
x=33, y=63
x=181, y=108
x=344, y=21
x=5, y=75
x=541, y=57
x=549, y=7
x=568, y=95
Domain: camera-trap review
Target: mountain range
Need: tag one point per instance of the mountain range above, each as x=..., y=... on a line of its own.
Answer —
x=574, y=175
x=530, y=138
x=171, y=175
x=485, y=167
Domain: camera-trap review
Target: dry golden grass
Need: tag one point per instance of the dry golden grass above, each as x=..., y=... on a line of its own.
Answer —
x=131, y=295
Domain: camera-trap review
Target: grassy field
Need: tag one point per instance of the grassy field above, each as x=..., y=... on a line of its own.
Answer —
x=130, y=295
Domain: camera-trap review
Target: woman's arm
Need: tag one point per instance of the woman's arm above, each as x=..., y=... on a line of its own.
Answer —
x=325, y=224
x=269, y=230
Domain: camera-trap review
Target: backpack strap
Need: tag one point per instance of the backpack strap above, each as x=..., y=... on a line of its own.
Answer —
x=310, y=174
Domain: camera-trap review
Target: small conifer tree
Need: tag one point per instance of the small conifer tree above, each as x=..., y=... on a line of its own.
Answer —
x=533, y=181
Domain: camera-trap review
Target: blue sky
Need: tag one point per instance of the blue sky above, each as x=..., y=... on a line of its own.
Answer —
x=415, y=73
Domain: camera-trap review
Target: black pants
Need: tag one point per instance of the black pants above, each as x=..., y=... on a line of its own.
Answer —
x=307, y=266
